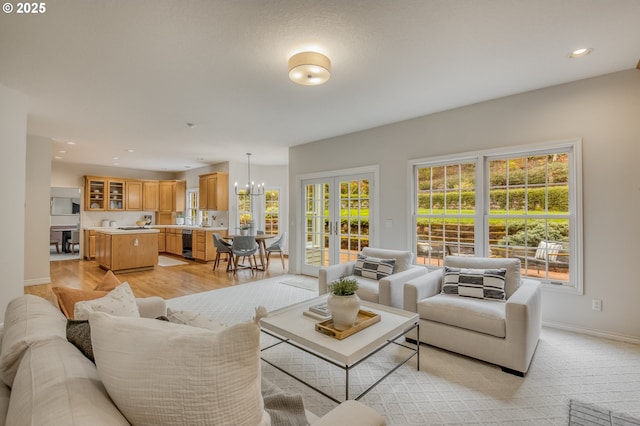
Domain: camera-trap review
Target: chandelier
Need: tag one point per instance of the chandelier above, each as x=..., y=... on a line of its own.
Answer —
x=250, y=188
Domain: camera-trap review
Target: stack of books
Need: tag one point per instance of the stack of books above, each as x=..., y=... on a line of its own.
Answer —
x=319, y=312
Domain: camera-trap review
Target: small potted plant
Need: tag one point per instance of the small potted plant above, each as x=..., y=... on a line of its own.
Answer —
x=343, y=302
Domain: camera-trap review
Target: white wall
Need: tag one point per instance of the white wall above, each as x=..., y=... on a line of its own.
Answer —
x=37, y=211
x=13, y=148
x=603, y=111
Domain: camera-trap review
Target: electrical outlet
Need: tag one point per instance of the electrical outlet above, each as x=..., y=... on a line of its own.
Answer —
x=596, y=305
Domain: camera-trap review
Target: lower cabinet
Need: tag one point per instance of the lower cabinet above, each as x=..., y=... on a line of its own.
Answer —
x=173, y=241
x=89, y=244
x=203, y=248
x=127, y=252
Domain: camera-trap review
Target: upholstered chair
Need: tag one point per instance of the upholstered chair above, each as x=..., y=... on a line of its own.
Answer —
x=381, y=275
x=222, y=247
x=277, y=247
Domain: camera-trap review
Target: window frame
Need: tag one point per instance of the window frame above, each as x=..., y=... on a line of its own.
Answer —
x=573, y=147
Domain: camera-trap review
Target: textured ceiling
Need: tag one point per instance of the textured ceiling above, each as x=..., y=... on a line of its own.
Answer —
x=113, y=75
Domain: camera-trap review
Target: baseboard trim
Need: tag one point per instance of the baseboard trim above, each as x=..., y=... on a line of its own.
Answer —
x=37, y=281
x=592, y=332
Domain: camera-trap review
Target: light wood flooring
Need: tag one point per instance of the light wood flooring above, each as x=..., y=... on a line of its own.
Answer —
x=164, y=281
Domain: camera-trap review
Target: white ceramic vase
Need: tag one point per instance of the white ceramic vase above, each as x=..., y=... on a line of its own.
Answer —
x=344, y=310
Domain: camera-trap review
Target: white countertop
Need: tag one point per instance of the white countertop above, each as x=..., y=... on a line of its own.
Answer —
x=116, y=231
x=156, y=227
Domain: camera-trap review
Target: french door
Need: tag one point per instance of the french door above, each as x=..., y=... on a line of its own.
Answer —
x=338, y=212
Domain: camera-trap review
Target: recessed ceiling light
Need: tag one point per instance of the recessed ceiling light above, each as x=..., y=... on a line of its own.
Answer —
x=579, y=53
x=57, y=157
x=131, y=150
x=116, y=164
x=70, y=143
x=62, y=151
x=115, y=158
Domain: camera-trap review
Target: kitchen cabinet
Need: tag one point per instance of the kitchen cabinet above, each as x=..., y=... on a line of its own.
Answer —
x=116, y=194
x=150, y=195
x=89, y=244
x=204, y=249
x=214, y=191
x=133, y=195
x=121, y=251
x=172, y=196
x=161, y=240
x=173, y=241
x=95, y=191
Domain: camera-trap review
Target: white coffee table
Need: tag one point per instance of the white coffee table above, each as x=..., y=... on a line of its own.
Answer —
x=289, y=325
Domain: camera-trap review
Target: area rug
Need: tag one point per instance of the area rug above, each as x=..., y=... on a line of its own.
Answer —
x=449, y=388
x=584, y=414
x=169, y=261
x=301, y=281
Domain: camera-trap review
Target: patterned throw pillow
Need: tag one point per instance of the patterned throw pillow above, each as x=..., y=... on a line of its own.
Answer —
x=478, y=283
x=373, y=267
x=119, y=301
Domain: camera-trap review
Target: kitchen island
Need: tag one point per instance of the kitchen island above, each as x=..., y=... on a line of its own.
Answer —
x=127, y=249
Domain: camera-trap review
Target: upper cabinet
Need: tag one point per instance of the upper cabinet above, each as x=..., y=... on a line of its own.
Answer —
x=172, y=196
x=95, y=191
x=150, y=195
x=106, y=193
x=214, y=191
x=133, y=191
x=116, y=194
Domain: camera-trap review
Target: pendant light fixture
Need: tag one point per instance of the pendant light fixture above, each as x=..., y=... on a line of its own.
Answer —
x=309, y=68
x=250, y=188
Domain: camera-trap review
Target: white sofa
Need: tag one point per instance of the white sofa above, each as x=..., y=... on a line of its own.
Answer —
x=504, y=333
x=386, y=291
x=47, y=380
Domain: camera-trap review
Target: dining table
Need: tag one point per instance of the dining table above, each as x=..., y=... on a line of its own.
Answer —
x=262, y=245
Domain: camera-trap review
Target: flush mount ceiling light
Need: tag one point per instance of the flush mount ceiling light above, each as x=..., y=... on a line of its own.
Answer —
x=309, y=68
x=579, y=53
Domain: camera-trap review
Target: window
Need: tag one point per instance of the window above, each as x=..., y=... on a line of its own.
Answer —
x=523, y=204
x=244, y=207
x=272, y=212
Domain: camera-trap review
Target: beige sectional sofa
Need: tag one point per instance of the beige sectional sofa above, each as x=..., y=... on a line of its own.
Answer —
x=385, y=291
x=501, y=332
x=46, y=380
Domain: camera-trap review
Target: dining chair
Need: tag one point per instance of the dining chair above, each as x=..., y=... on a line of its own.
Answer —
x=245, y=246
x=73, y=241
x=222, y=247
x=277, y=247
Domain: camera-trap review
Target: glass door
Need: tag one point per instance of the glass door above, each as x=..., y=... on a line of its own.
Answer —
x=337, y=216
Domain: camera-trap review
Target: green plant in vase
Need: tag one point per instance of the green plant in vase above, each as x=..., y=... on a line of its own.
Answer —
x=343, y=302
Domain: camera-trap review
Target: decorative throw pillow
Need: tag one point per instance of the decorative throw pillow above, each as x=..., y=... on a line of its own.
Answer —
x=79, y=334
x=119, y=301
x=68, y=297
x=193, y=319
x=108, y=282
x=160, y=373
x=478, y=283
x=373, y=267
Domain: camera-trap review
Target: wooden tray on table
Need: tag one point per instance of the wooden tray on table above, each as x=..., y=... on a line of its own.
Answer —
x=364, y=320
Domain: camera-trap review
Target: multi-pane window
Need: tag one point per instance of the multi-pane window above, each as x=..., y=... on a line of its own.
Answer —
x=519, y=204
x=272, y=212
x=244, y=207
x=446, y=211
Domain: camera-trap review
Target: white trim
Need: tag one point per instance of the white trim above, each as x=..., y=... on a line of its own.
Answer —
x=481, y=158
x=592, y=332
x=373, y=210
x=37, y=281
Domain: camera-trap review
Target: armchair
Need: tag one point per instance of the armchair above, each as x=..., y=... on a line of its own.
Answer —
x=387, y=290
x=501, y=332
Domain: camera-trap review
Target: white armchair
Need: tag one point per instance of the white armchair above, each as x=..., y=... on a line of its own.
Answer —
x=385, y=291
x=504, y=332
